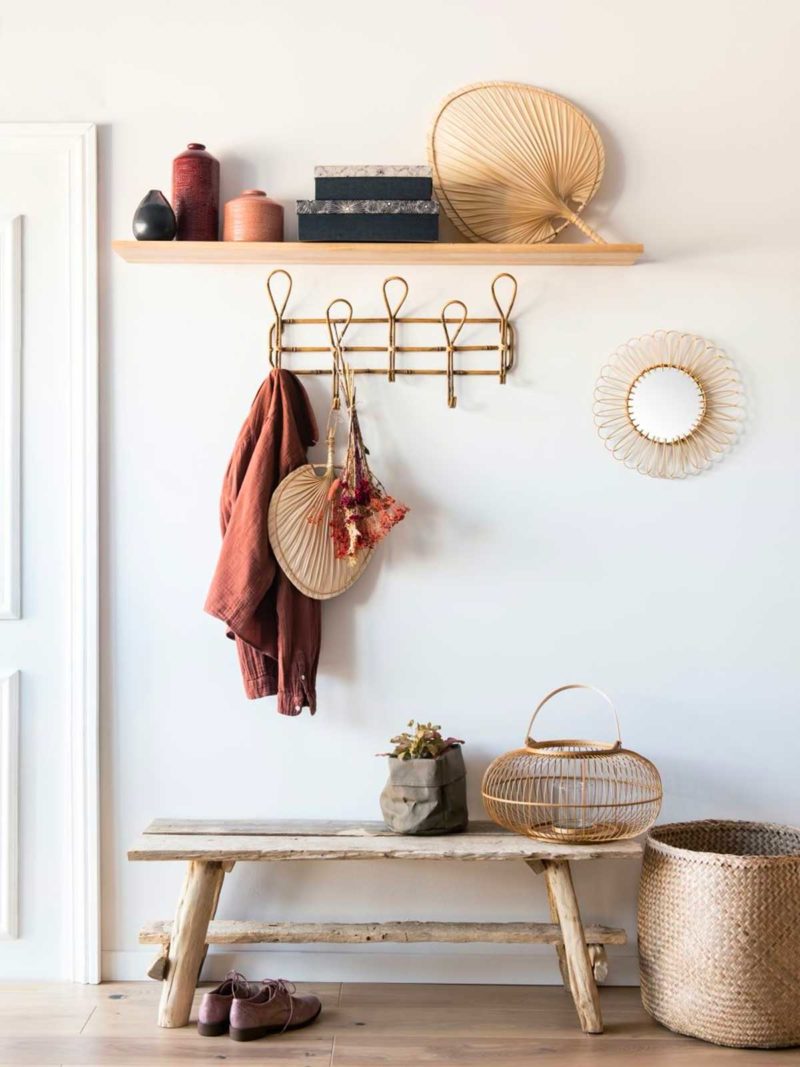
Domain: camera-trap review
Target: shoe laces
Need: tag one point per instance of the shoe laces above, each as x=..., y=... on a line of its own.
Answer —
x=240, y=987
x=276, y=987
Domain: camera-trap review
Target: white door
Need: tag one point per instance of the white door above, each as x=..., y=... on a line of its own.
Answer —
x=47, y=551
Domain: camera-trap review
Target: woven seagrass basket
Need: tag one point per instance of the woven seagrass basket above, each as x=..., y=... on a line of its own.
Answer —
x=572, y=790
x=719, y=932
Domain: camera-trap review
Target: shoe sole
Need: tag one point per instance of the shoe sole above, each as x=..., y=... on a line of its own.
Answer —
x=252, y=1033
x=212, y=1029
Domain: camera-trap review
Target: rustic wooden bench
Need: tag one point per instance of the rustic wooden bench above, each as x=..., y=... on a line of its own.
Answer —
x=212, y=848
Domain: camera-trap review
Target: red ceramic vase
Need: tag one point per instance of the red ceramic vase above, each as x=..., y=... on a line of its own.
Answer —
x=195, y=194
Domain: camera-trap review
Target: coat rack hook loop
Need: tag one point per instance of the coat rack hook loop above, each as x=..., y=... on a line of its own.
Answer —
x=276, y=334
x=392, y=314
x=506, y=333
x=337, y=328
x=279, y=310
x=451, y=339
x=510, y=303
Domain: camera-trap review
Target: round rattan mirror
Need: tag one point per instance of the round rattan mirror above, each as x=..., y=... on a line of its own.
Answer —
x=668, y=404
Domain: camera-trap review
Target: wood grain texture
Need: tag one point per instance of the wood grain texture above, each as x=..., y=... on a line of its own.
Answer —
x=490, y=846
x=187, y=949
x=599, y=959
x=579, y=965
x=506, y=1051
x=238, y=932
x=538, y=867
x=362, y=1025
x=134, y=1016
x=289, y=252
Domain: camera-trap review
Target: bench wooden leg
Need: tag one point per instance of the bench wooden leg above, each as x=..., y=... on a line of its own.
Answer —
x=537, y=866
x=579, y=966
x=560, y=950
x=597, y=953
x=196, y=906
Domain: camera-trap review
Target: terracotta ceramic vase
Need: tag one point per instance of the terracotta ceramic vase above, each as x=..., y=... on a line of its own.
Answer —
x=253, y=216
x=154, y=219
x=195, y=194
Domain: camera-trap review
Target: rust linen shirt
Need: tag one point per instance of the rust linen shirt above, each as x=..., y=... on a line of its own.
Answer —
x=276, y=627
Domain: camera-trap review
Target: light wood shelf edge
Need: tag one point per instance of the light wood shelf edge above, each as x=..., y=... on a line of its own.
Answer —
x=307, y=252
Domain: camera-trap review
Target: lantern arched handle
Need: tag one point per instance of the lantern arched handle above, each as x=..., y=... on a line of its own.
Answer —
x=529, y=740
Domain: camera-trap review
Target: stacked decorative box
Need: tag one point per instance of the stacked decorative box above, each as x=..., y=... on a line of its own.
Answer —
x=370, y=204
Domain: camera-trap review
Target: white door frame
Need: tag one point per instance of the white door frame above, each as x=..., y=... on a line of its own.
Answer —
x=75, y=143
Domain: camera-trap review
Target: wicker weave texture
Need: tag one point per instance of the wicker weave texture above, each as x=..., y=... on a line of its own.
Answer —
x=719, y=932
x=573, y=790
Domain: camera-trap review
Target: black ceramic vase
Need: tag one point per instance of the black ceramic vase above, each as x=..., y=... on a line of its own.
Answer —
x=154, y=219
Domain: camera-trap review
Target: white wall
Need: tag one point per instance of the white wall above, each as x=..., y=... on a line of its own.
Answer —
x=530, y=557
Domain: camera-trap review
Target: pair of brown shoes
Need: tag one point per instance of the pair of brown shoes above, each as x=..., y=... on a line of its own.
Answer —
x=247, y=1010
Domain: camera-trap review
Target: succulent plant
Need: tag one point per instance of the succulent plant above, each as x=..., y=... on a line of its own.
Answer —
x=425, y=743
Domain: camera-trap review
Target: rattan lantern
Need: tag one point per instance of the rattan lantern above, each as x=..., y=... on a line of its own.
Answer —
x=570, y=790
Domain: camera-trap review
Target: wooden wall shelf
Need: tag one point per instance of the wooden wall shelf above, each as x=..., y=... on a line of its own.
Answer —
x=296, y=252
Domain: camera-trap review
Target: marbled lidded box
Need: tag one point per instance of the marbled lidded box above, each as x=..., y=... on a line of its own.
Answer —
x=368, y=220
x=373, y=183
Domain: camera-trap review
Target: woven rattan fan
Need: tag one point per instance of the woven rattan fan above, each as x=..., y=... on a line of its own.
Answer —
x=512, y=163
x=299, y=531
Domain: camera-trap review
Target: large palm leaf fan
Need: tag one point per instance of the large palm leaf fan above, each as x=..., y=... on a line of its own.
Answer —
x=513, y=163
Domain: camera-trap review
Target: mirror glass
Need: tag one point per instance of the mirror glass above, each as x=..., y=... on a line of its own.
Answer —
x=666, y=404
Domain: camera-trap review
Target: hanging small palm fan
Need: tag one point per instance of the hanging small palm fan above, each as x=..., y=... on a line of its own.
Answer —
x=300, y=517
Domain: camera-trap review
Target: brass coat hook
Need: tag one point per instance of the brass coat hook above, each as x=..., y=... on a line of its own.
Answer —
x=337, y=328
x=393, y=313
x=451, y=342
x=506, y=330
x=276, y=332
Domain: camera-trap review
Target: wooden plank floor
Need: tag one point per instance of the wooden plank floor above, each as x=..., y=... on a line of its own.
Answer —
x=113, y=1025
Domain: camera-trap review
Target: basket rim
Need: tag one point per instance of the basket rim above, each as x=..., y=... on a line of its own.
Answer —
x=698, y=856
x=599, y=749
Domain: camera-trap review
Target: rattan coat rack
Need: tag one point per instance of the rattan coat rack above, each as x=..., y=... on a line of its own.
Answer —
x=339, y=318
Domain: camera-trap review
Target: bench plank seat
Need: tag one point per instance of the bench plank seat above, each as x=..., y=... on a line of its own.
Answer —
x=276, y=847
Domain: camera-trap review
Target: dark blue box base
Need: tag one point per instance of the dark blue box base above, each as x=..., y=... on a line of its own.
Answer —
x=397, y=228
